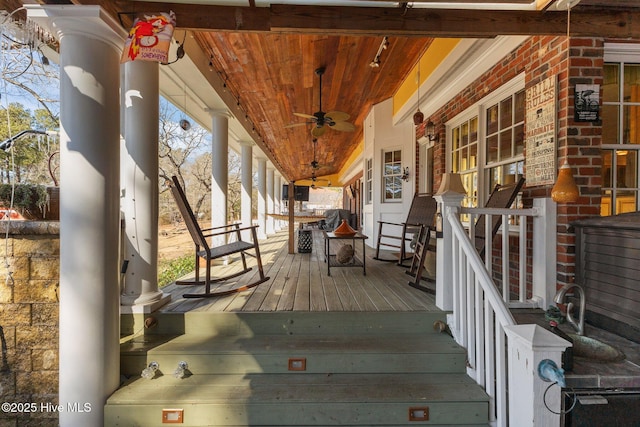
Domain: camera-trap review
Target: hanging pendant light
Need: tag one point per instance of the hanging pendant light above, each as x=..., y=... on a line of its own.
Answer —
x=418, y=117
x=565, y=189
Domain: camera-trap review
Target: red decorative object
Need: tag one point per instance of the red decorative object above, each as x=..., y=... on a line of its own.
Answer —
x=344, y=230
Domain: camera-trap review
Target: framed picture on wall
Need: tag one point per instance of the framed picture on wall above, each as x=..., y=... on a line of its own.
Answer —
x=586, y=102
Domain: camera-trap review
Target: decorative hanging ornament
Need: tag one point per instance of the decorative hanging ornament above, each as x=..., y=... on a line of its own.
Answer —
x=565, y=189
x=185, y=124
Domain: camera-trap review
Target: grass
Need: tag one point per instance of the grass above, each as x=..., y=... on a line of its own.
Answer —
x=169, y=271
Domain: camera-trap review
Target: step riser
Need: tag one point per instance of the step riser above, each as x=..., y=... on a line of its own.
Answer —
x=314, y=363
x=299, y=414
x=286, y=323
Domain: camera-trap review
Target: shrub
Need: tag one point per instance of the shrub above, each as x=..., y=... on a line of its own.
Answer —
x=169, y=271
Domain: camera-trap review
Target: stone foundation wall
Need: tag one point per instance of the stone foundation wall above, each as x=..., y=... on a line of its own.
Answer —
x=29, y=285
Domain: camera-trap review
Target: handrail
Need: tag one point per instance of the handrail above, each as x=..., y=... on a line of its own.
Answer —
x=501, y=211
x=480, y=296
x=491, y=291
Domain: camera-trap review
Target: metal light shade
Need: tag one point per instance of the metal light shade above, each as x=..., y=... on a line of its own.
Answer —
x=451, y=183
x=418, y=117
x=565, y=189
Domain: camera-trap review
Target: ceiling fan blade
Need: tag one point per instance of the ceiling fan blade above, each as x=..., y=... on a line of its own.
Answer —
x=318, y=131
x=337, y=116
x=343, y=126
x=306, y=116
x=292, y=125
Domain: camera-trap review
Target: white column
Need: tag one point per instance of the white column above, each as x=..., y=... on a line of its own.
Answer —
x=277, y=196
x=262, y=198
x=90, y=48
x=219, y=170
x=444, y=247
x=139, y=202
x=270, y=200
x=528, y=346
x=246, y=170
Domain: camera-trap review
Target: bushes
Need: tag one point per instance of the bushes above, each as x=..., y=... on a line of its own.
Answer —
x=169, y=271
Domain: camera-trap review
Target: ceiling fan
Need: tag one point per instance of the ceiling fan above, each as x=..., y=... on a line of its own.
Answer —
x=315, y=179
x=334, y=119
x=315, y=165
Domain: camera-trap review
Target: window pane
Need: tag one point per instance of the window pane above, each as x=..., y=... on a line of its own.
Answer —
x=397, y=156
x=473, y=129
x=607, y=178
x=464, y=158
x=473, y=156
x=505, y=113
x=519, y=139
x=464, y=135
x=626, y=167
x=492, y=119
x=626, y=201
x=388, y=188
x=609, y=114
x=631, y=83
x=492, y=148
x=455, y=162
x=505, y=144
x=388, y=157
x=611, y=86
x=519, y=107
x=455, y=138
x=631, y=131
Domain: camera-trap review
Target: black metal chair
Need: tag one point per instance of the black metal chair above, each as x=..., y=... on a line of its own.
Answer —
x=204, y=251
x=421, y=214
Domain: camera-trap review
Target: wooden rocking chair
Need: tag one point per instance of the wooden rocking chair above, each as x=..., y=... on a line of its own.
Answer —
x=502, y=196
x=421, y=213
x=204, y=251
x=419, y=259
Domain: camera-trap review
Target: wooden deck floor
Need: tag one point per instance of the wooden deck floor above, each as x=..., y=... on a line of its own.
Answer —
x=299, y=282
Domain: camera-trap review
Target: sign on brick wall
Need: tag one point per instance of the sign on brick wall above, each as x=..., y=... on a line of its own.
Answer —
x=540, y=160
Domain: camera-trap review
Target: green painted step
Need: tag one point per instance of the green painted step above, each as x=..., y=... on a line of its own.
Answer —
x=320, y=354
x=299, y=400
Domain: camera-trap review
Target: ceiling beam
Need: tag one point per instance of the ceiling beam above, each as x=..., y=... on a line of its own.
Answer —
x=451, y=23
x=588, y=22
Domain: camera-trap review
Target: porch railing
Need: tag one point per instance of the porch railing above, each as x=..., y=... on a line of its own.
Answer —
x=480, y=309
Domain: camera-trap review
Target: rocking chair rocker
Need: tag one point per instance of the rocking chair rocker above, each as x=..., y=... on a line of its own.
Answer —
x=204, y=251
x=421, y=214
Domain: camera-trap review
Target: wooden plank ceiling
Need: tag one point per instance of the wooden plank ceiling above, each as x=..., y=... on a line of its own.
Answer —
x=273, y=76
x=267, y=55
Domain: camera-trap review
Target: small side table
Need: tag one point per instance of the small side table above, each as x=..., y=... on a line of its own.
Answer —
x=330, y=258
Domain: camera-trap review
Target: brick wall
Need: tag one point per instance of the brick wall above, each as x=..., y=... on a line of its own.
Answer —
x=29, y=320
x=539, y=58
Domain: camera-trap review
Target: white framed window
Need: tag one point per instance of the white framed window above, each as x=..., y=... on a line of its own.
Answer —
x=620, y=130
x=391, y=175
x=368, y=186
x=486, y=142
